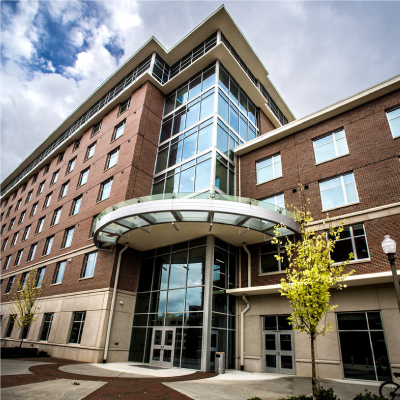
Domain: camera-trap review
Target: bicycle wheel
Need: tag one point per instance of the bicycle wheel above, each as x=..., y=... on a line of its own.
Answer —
x=389, y=390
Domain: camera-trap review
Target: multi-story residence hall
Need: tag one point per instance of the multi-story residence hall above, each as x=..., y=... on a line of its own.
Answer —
x=149, y=214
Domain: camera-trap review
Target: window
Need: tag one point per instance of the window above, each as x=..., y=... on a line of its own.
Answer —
x=34, y=178
x=91, y=232
x=83, y=177
x=14, y=195
x=68, y=235
x=26, y=233
x=112, y=158
x=54, y=178
x=71, y=165
x=10, y=323
x=21, y=217
x=3, y=228
x=5, y=202
x=124, y=106
x=330, y=146
x=7, y=263
x=32, y=252
x=10, y=284
x=277, y=200
x=118, y=131
x=63, y=190
x=40, y=188
x=40, y=225
x=56, y=217
x=352, y=240
x=394, y=121
x=269, y=263
x=23, y=187
x=89, y=265
x=40, y=276
x=22, y=282
x=269, y=169
x=90, y=151
x=105, y=189
x=77, y=143
x=18, y=257
x=76, y=205
x=4, y=245
x=338, y=191
x=47, y=321
x=96, y=129
x=8, y=211
x=47, y=245
x=14, y=239
x=11, y=224
x=18, y=205
x=78, y=321
x=60, y=158
x=28, y=196
x=47, y=200
x=1, y=216
x=33, y=209
x=59, y=272
x=46, y=169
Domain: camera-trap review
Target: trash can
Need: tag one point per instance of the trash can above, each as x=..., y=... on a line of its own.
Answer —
x=219, y=362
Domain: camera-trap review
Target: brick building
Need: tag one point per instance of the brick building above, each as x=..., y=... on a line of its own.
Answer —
x=145, y=208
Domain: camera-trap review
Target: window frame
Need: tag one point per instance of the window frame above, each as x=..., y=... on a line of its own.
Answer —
x=82, y=173
x=18, y=257
x=46, y=169
x=11, y=224
x=21, y=217
x=54, y=177
x=48, y=245
x=47, y=200
x=57, y=272
x=70, y=166
x=68, y=237
x=40, y=188
x=125, y=104
x=4, y=244
x=29, y=196
x=387, y=117
x=279, y=252
x=109, y=157
x=63, y=190
x=94, y=131
x=334, y=141
x=119, y=125
x=101, y=191
x=60, y=158
x=14, y=239
x=9, y=286
x=9, y=211
x=40, y=276
x=81, y=323
x=18, y=204
x=77, y=144
x=272, y=158
x=86, y=261
x=34, y=209
x=32, y=252
x=56, y=214
x=48, y=324
x=73, y=206
x=26, y=233
x=89, y=149
x=6, y=263
x=40, y=225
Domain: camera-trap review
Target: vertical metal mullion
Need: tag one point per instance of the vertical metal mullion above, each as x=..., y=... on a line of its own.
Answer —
x=372, y=348
x=353, y=243
x=343, y=188
x=334, y=144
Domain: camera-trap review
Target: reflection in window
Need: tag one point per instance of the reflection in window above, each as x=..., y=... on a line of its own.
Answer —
x=330, y=146
x=338, y=191
x=269, y=169
x=352, y=240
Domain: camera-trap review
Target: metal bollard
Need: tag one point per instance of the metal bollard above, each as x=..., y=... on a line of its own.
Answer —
x=220, y=363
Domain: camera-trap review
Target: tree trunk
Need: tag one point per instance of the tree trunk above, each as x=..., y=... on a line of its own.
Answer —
x=20, y=344
x=313, y=371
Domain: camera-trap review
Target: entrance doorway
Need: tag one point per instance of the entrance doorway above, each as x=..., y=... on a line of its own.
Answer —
x=278, y=345
x=162, y=346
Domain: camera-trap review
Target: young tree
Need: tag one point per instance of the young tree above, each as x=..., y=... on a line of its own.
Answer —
x=25, y=302
x=310, y=278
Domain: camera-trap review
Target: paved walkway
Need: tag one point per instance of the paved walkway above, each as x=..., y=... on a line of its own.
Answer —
x=56, y=379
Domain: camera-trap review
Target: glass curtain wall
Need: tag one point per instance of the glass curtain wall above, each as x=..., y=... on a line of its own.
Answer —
x=204, y=120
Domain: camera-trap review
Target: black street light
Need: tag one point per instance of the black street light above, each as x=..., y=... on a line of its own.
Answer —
x=389, y=248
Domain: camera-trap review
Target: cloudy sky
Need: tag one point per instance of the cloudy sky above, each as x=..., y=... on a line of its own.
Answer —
x=55, y=53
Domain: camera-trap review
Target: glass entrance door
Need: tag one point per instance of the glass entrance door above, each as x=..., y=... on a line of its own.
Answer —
x=278, y=345
x=162, y=347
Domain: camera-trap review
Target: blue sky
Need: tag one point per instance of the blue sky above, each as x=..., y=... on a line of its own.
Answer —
x=55, y=53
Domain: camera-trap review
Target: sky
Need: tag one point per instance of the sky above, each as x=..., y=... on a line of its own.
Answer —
x=55, y=53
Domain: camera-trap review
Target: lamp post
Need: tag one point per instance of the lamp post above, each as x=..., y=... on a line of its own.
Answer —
x=389, y=248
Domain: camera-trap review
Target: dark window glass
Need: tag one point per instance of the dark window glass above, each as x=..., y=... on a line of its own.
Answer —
x=77, y=327
x=47, y=321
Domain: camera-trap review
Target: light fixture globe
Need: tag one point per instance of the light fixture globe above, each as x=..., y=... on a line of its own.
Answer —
x=388, y=245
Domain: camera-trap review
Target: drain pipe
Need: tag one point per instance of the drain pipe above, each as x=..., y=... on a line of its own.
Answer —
x=113, y=304
x=242, y=332
x=248, y=265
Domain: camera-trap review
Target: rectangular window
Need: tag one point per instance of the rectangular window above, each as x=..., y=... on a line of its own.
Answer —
x=63, y=190
x=60, y=158
x=23, y=187
x=4, y=245
x=76, y=205
x=32, y=252
x=47, y=321
x=91, y=232
x=40, y=276
x=278, y=200
x=77, y=143
x=71, y=165
x=96, y=129
x=28, y=197
x=14, y=195
x=40, y=188
x=78, y=321
x=352, y=240
x=393, y=117
x=18, y=205
x=330, y=146
x=112, y=158
x=338, y=191
x=46, y=169
x=47, y=200
x=3, y=228
x=34, y=178
x=118, y=131
x=56, y=217
x=18, y=257
x=21, y=217
x=8, y=211
x=10, y=284
x=5, y=202
x=89, y=265
x=105, y=189
x=22, y=282
x=269, y=263
x=40, y=225
x=59, y=272
x=90, y=151
x=269, y=169
x=10, y=323
x=11, y=224
x=7, y=263
x=26, y=233
x=33, y=209
x=47, y=245
x=124, y=106
x=14, y=239
x=68, y=235
x=54, y=177
x=83, y=177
